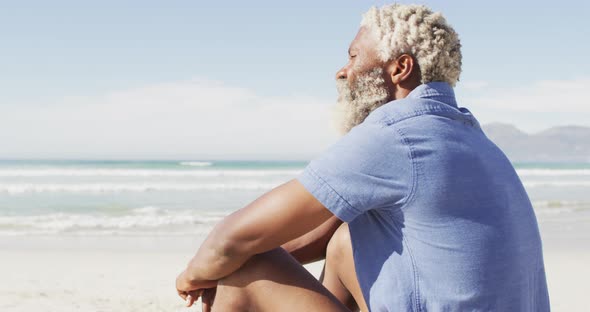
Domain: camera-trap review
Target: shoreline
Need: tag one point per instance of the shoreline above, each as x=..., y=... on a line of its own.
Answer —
x=70, y=273
x=126, y=276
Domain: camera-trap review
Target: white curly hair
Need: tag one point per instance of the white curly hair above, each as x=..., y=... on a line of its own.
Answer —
x=416, y=30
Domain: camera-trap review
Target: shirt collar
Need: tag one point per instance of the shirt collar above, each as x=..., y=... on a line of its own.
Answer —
x=436, y=90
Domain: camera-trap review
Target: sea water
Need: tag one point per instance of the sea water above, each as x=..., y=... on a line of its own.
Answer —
x=129, y=197
x=183, y=197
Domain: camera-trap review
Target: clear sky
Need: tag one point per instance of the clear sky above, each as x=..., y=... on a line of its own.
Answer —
x=253, y=79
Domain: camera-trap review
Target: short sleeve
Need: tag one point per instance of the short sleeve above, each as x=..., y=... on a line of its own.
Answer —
x=368, y=168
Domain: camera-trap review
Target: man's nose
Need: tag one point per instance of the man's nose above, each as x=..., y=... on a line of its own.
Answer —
x=341, y=74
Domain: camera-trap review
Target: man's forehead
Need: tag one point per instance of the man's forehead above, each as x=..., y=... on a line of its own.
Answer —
x=364, y=41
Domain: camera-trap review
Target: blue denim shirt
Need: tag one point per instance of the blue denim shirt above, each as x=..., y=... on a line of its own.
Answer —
x=438, y=218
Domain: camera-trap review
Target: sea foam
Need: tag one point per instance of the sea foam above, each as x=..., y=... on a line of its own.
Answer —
x=196, y=163
x=141, y=220
x=82, y=172
x=533, y=184
x=553, y=172
x=19, y=188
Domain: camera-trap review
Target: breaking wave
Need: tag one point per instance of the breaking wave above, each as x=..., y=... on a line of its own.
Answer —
x=61, y=172
x=142, y=220
x=19, y=188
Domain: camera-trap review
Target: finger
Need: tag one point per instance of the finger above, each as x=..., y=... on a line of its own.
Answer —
x=196, y=293
x=190, y=300
x=212, y=296
x=206, y=304
x=193, y=296
x=182, y=295
x=207, y=299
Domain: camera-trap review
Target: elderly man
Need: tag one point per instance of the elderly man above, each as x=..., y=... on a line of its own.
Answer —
x=414, y=209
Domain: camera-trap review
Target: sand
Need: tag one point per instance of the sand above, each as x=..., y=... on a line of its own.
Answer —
x=94, y=273
x=137, y=274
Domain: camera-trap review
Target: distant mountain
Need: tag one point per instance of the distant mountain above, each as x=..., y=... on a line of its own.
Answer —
x=557, y=144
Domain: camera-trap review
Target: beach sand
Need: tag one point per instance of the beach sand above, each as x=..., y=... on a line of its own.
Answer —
x=94, y=273
x=137, y=273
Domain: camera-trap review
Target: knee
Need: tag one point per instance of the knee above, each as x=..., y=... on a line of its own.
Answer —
x=234, y=292
x=339, y=243
x=254, y=269
x=230, y=298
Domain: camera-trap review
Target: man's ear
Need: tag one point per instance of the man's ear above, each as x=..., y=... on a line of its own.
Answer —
x=401, y=68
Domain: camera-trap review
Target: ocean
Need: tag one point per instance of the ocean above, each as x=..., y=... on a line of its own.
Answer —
x=167, y=198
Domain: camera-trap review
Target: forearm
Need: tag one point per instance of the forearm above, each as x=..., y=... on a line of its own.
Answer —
x=311, y=246
x=272, y=220
x=216, y=258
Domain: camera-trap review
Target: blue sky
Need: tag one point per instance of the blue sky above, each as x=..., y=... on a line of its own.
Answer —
x=155, y=79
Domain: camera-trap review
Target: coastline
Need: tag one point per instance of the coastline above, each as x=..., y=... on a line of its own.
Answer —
x=70, y=273
x=96, y=273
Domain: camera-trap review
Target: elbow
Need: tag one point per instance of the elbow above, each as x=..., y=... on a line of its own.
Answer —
x=226, y=247
x=231, y=238
x=221, y=250
x=213, y=256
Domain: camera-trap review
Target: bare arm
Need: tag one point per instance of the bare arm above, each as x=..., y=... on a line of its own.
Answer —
x=279, y=216
x=312, y=246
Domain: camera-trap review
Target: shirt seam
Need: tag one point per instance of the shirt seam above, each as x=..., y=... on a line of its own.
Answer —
x=315, y=174
x=415, y=275
x=365, y=291
x=414, y=182
x=416, y=113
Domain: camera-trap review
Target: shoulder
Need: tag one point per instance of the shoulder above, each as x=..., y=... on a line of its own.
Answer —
x=371, y=146
x=397, y=111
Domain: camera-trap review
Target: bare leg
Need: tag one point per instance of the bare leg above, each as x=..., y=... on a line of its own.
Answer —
x=339, y=275
x=274, y=281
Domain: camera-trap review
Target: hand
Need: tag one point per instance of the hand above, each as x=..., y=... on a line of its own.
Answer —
x=190, y=290
x=192, y=296
x=207, y=298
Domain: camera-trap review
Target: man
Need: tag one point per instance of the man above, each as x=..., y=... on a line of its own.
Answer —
x=435, y=217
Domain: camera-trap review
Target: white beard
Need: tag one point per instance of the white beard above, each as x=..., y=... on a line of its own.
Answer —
x=356, y=102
